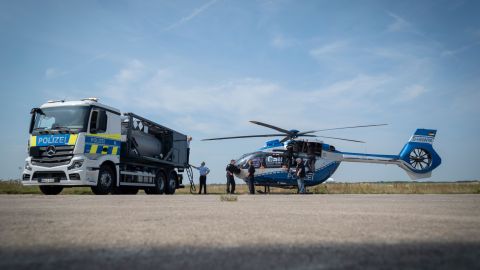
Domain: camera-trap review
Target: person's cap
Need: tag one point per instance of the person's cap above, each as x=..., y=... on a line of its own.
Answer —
x=299, y=159
x=232, y=160
x=203, y=162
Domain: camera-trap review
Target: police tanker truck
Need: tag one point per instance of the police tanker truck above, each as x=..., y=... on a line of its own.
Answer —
x=86, y=143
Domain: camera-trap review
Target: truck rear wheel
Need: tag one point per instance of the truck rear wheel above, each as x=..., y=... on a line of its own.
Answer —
x=160, y=181
x=51, y=190
x=171, y=183
x=105, y=181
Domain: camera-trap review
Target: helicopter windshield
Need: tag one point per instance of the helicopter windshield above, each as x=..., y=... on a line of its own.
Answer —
x=242, y=162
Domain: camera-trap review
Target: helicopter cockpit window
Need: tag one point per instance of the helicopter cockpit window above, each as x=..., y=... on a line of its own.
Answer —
x=259, y=159
x=242, y=162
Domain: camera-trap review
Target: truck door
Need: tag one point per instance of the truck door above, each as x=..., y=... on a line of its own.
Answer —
x=104, y=133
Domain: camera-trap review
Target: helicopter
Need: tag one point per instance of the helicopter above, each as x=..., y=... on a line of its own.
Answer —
x=275, y=162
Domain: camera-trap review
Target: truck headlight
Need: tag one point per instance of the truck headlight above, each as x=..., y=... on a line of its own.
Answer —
x=27, y=166
x=76, y=164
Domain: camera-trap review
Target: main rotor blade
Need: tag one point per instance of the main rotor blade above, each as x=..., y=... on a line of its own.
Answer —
x=272, y=127
x=342, y=139
x=246, y=136
x=312, y=131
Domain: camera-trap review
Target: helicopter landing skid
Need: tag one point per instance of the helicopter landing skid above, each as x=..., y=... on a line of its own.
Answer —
x=266, y=190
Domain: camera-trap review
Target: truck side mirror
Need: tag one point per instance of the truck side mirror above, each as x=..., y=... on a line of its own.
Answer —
x=32, y=121
x=34, y=112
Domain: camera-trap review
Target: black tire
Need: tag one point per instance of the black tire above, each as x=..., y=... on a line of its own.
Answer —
x=106, y=180
x=171, y=184
x=160, y=181
x=51, y=190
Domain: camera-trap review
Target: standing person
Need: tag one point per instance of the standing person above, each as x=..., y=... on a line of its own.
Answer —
x=204, y=171
x=300, y=176
x=311, y=157
x=231, y=170
x=251, y=177
x=289, y=156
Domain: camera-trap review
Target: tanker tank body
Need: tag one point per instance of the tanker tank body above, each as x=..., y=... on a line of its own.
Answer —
x=152, y=154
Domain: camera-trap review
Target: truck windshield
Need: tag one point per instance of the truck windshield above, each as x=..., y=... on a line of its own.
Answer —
x=71, y=119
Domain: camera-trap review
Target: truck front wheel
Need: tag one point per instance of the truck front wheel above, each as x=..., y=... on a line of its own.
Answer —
x=51, y=190
x=105, y=181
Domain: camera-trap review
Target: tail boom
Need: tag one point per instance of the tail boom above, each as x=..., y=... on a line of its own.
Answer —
x=417, y=158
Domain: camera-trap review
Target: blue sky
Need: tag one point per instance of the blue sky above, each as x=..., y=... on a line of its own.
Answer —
x=207, y=67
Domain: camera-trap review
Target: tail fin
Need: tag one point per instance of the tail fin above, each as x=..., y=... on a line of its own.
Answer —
x=418, y=157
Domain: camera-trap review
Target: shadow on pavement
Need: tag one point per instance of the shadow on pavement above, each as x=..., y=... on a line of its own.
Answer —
x=331, y=256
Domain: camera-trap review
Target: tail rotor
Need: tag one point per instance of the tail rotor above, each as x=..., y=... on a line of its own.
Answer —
x=420, y=159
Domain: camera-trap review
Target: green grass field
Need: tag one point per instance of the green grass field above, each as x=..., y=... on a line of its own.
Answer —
x=15, y=187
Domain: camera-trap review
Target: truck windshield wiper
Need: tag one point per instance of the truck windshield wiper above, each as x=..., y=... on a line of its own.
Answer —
x=62, y=128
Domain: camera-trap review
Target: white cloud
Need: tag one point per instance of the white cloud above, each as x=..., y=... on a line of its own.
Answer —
x=359, y=85
x=52, y=73
x=192, y=15
x=399, y=24
x=327, y=49
x=412, y=92
x=212, y=108
x=462, y=49
x=360, y=93
x=131, y=73
x=281, y=42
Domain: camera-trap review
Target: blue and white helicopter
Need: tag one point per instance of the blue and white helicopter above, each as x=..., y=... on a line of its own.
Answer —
x=275, y=162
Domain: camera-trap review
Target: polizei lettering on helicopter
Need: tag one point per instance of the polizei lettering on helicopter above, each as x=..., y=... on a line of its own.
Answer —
x=422, y=139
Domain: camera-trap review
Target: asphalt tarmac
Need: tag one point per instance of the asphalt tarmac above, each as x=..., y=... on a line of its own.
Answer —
x=255, y=232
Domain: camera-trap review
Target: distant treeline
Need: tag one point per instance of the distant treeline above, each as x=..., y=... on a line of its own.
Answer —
x=460, y=187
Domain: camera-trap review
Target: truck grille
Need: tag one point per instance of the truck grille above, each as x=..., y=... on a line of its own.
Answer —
x=55, y=175
x=62, y=156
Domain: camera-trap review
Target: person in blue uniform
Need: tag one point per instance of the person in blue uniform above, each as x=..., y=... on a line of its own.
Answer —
x=300, y=176
x=204, y=171
x=231, y=170
x=251, y=177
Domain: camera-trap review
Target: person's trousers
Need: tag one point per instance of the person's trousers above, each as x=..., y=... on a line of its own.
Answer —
x=301, y=185
x=203, y=183
x=230, y=184
x=251, y=185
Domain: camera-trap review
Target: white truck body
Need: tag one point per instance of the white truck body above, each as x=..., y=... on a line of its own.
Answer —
x=77, y=143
